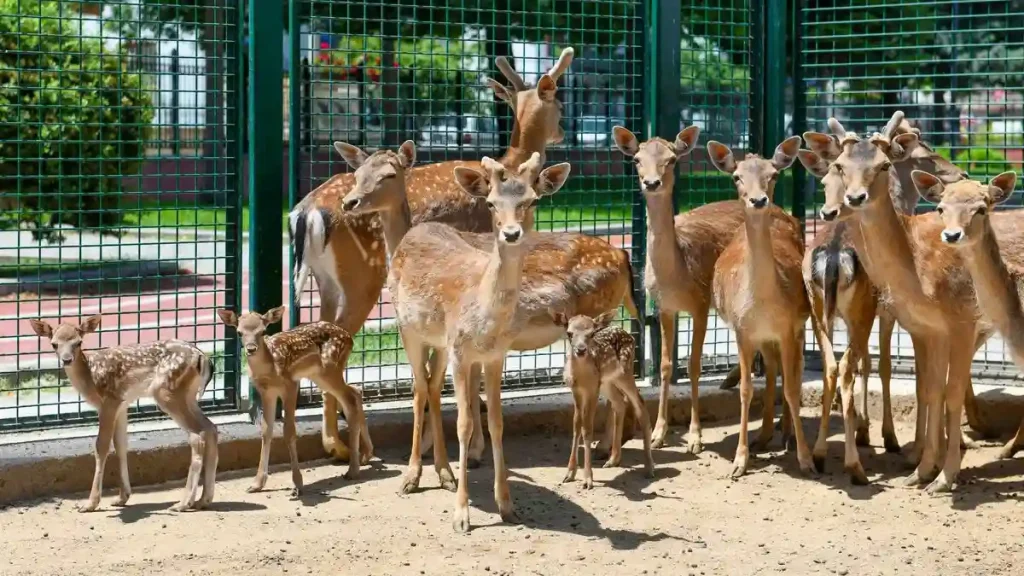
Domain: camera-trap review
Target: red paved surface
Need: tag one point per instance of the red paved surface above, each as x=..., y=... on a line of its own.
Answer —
x=189, y=315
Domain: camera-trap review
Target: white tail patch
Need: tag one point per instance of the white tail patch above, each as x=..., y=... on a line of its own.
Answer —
x=314, y=245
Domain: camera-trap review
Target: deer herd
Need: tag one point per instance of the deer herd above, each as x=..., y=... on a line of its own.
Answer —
x=470, y=279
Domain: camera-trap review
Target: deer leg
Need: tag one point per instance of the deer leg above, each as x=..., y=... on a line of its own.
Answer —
x=589, y=412
x=267, y=437
x=851, y=458
x=921, y=361
x=886, y=323
x=476, y=444
x=352, y=405
x=746, y=352
x=1015, y=444
x=699, y=323
x=604, y=445
x=330, y=437
x=616, y=407
x=108, y=421
x=121, y=447
x=935, y=374
x=667, y=321
x=463, y=389
x=791, y=349
x=495, y=425
x=176, y=405
x=291, y=399
x=209, y=438
x=417, y=354
x=975, y=420
x=959, y=377
x=577, y=406
x=863, y=419
x=771, y=366
x=626, y=385
x=823, y=334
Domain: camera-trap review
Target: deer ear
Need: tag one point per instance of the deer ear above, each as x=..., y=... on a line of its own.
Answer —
x=814, y=164
x=823, y=145
x=502, y=92
x=41, y=328
x=560, y=319
x=228, y=317
x=605, y=319
x=928, y=186
x=686, y=140
x=407, y=153
x=546, y=88
x=353, y=155
x=901, y=147
x=785, y=153
x=274, y=315
x=625, y=141
x=551, y=179
x=721, y=157
x=1001, y=187
x=474, y=182
x=91, y=324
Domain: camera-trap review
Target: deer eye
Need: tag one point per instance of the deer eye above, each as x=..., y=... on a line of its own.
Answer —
x=838, y=169
x=490, y=205
x=54, y=345
x=636, y=160
x=736, y=178
x=885, y=166
x=981, y=211
x=939, y=210
x=671, y=161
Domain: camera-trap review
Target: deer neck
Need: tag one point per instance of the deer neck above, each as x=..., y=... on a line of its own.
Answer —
x=996, y=290
x=80, y=374
x=523, y=143
x=498, y=292
x=887, y=246
x=261, y=362
x=396, y=224
x=662, y=247
x=902, y=190
x=763, y=274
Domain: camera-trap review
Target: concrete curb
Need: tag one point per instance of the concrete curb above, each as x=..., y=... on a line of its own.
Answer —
x=42, y=467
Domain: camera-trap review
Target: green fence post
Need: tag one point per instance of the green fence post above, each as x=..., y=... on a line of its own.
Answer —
x=235, y=99
x=662, y=114
x=295, y=133
x=799, y=108
x=774, y=77
x=640, y=76
x=266, y=35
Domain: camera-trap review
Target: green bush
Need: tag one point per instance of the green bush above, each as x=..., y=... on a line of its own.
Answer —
x=73, y=121
x=982, y=160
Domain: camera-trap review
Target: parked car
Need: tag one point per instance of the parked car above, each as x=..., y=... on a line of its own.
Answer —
x=595, y=130
x=477, y=132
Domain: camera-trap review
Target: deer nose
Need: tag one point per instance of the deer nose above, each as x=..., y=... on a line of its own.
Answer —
x=250, y=348
x=857, y=199
x=952, y=236
x=829, y=215
x=512, y=236
x=579, y=351
x=759, y=202
x=652, y=185
x=67, y=360
x=350, y=205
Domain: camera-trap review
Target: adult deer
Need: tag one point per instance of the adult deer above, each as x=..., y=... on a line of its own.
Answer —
x=926, y=281
x=758, y=288
x=172, y=372
x=576, y=273
x=346, y=253
x=966, y=209
x=681, y=253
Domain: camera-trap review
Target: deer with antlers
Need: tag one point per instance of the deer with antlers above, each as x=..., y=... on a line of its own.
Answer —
x=171, y=372
x=758, y=287
x=318, y=351
x=568, y=272
x=345, y=253
x=926, y=281
x=681, y=254
x=966, y=211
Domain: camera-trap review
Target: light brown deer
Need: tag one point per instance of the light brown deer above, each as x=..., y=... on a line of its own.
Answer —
x=758, y=287
x=599, y=360
x=568, y=272
x=345, y=252
x=966, y=212
x=461, y=303
x=929, y=287
x=318, y=351
x=681, y=253
x=174, y=373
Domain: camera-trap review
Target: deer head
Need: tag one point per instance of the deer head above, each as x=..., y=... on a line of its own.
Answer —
x=534, y=105
x=252, y=326
x=580, y=330
x=512, y=195
x=964, y=206
x=754, y=176
x=655, y=159
x=66, y=339
x=380, y=177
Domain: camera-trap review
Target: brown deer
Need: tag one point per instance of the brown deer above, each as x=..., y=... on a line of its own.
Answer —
x=171, y=372
x=345, y=252
x=599, y=359
x=318, y=351
x=681, y=253
x=758, y=287
x=462, y=303
x=576, y=273
x=966, y=211
x=926, y=281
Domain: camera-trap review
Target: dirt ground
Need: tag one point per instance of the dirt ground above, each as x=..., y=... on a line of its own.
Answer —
x=692, y=519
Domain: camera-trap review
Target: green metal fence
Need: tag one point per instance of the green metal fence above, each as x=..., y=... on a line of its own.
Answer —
x=955, y=69
x=119, y=188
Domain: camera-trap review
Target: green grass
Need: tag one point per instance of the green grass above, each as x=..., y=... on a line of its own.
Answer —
x=377, y=348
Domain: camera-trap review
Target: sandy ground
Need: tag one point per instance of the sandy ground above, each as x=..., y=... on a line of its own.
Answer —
x=692, y=519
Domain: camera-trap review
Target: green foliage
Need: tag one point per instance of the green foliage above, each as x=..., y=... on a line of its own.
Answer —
x=984, y=160
x=73, y=121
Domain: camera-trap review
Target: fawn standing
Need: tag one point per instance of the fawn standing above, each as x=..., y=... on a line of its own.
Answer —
x=600, y=359
x=174, y=373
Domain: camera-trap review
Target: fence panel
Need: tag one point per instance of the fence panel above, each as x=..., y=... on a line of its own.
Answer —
x=374, y=77
x=954, y=68
x=119, y=188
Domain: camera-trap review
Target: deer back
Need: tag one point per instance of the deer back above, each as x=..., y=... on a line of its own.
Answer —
x=128, y=372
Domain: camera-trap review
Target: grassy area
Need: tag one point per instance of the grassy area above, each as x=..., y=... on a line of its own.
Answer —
x=377, y=348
